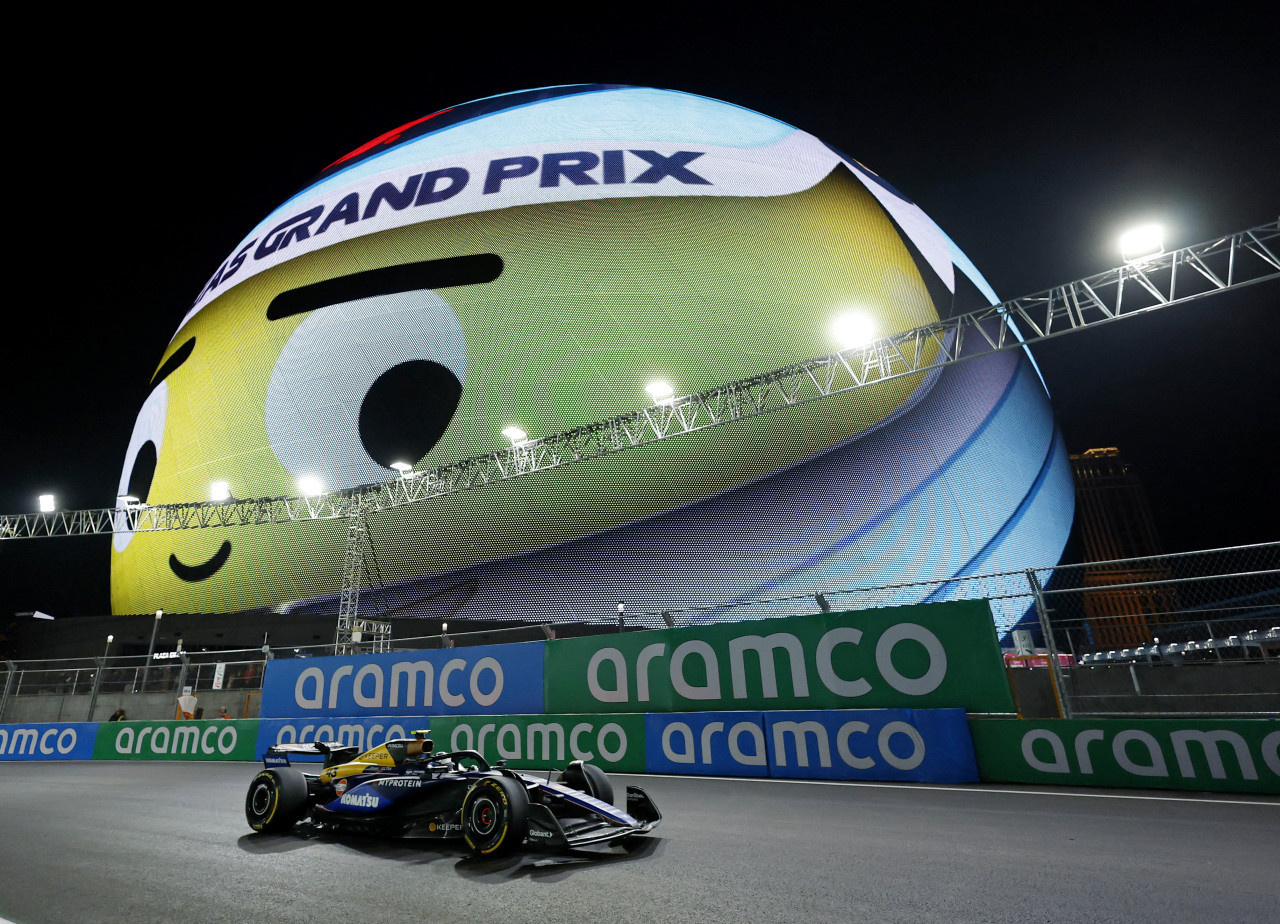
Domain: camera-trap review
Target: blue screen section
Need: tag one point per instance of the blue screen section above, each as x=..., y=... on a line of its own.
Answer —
x=485, y=680
x=362, y=731
x=712, y=743
x=48, y=741
x=920, y=745
x=917, y=745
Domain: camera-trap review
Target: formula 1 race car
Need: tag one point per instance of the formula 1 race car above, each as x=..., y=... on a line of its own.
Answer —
x=401, y=788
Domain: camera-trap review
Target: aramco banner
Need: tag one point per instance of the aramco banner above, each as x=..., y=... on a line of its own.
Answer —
x=363, y=732
x=48, y=741
x=1220, y=755
x=939, y=655
x=928, y=745
x=205, y=739
x=917, y=745
x=461, y=681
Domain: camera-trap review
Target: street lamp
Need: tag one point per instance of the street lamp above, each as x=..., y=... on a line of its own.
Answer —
x=146, y=668
x=97, y=678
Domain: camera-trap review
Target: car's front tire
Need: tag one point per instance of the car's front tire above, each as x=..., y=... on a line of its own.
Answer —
x=495, y=816
x=277, y=799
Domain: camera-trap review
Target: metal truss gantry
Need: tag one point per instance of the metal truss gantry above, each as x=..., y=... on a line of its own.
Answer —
x=1139, y=287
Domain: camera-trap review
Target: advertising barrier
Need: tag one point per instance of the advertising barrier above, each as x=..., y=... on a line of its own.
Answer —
x=500, y=679
x=198, y=739
x=710, y=743
x=929, y=745
x=48, y=741
x=615, y=743
x=1220, y=755
x=939, y=655
x=363, y=732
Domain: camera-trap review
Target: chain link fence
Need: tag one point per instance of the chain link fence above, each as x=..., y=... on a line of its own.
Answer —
x=1190, y=633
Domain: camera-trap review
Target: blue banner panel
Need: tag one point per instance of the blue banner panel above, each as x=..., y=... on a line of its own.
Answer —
x=711, y=743
x=363, y=731
x=485, y=680
x=48, y=741
x=919, y=745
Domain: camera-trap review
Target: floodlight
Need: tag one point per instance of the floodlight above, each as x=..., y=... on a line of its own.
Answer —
x=516, y=435
x=220, y=491
x=852, y=330
x=46, y=503
x=310, y=485
x=660, y=391
x=1142, y=243
x=128, y=500
x=404, y=468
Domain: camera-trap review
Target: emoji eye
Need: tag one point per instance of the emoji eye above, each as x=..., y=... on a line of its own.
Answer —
x=364, y=383
x=141, y=456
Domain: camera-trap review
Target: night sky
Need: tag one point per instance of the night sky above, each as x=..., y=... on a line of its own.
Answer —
x=136, y=165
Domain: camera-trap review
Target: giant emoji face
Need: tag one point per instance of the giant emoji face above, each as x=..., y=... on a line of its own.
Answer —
x=536, y=259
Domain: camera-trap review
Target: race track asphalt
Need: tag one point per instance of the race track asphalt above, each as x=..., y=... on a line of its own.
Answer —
x=167, y=842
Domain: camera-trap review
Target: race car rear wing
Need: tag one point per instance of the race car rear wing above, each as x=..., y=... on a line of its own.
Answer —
x=332, y=752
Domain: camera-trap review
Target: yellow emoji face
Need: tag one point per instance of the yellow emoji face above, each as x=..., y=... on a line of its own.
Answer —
x=534, y=263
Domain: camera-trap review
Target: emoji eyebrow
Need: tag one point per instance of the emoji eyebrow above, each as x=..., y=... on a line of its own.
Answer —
x=174, y=361
x=390, y=280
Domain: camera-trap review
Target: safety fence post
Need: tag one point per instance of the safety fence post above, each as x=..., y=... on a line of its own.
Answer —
x=1055, y=669
x=97, y=685
x=11, y=670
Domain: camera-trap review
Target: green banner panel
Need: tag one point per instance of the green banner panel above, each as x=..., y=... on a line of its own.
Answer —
x=940, y=655
x=543, y=742
x=1220, y=755
x=193, y=740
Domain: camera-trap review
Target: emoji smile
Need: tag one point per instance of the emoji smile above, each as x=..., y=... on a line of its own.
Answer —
x=201, y=572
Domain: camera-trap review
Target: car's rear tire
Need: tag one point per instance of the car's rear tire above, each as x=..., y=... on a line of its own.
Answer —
x=277, y=799
x=495, y=816
x=588, y=778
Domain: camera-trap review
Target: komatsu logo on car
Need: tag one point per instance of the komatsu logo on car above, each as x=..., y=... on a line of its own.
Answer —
x=360, y=800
